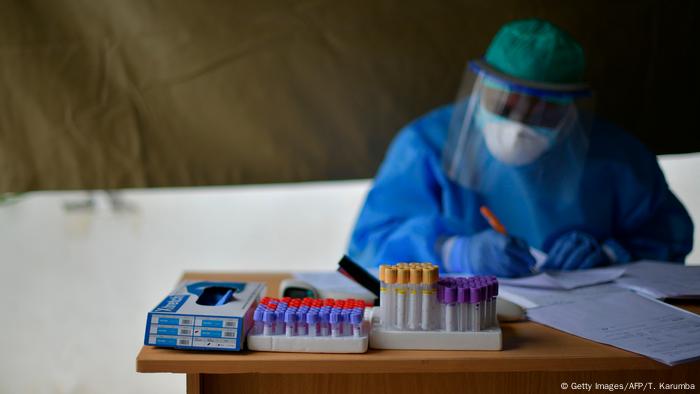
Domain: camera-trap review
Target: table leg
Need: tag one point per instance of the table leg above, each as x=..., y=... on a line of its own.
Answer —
x=194, y=383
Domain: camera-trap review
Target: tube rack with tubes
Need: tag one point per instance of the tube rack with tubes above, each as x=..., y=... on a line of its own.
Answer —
x=309, y=325
x=407, y=296
x=467, y=304
x=420, y=310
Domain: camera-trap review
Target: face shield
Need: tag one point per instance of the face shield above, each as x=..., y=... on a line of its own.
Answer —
x=529, y=134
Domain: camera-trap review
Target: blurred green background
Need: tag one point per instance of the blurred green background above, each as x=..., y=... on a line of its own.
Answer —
x=134, y=93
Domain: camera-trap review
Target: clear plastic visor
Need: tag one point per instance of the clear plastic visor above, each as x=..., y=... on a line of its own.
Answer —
x=535, y=133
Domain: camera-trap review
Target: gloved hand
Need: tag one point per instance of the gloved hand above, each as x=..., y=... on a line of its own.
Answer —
x=576, y=250
x=489, y=253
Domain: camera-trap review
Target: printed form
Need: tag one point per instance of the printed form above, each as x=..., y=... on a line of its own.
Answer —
x=626, y=320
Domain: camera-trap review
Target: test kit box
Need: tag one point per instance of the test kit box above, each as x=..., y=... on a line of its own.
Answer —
x=204, y=315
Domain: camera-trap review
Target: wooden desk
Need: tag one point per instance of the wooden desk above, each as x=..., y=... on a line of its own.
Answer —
x=535, y=359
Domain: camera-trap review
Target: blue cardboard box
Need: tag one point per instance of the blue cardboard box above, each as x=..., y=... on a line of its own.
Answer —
x=204, y=315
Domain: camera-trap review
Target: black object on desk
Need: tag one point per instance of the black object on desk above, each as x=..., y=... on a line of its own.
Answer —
x=355, y=272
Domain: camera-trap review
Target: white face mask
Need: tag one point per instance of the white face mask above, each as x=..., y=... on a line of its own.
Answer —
x=512, y=142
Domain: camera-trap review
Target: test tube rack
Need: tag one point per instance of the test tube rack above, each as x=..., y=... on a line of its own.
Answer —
x=310, y=326
x=419, y=310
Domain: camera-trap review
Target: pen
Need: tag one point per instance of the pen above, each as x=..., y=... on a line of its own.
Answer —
x=496, y=224
x=493, y=220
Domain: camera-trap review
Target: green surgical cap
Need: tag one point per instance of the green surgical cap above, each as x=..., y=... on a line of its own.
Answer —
x=536, y=50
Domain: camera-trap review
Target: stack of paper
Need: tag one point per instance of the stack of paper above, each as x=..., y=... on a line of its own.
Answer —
x=628, y=321
x=598, y=305
x=567, y=280
x=662, y=280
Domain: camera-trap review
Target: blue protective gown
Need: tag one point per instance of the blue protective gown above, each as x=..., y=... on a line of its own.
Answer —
x=413, y=205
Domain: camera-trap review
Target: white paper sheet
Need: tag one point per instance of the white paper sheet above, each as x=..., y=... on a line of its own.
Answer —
x=662, y=280
x=567, y=280
x=531, y=297
x=628, y=321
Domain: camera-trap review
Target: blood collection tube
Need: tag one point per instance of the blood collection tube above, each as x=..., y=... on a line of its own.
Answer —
x=279, y=321
x=359, y=309
x=312, y=322
x=356, y=320
x=301, y=320
x=475, y=307
x=450, y=308
x=346, y=326
x=486, y=322
x=414, y=297
x=390, y=274
x=484, y=299
x=269, y=318
x=258, y=319
x=383, y=296
x=336, y=320
x=441, y=304
x=494, y=303
x=402, y=278
x=325, y=321
x=429, y=279
x=463, y=303
x=290, y=320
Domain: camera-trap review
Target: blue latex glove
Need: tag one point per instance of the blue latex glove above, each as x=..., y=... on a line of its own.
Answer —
x=489, y=253
x=576, y=250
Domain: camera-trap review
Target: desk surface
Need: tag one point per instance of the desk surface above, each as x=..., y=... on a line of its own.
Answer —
x=527, y=346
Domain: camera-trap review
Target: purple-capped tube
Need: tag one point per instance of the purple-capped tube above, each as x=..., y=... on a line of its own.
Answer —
x=346, y=328
x=336, y=320
x=441, y=303
x=301, y=321
x=258, y=320
x=451, y=314
x=290, y=323
x=324, y=318
x=494, y=302
x=269, y=319
x=312, y=323
x=463, y=305
x=279, y=321
x=474, y=306
x=484, y=290
x=490, y=300
x=356, y=321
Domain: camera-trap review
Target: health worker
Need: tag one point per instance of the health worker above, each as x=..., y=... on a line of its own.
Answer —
x=521, y=141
